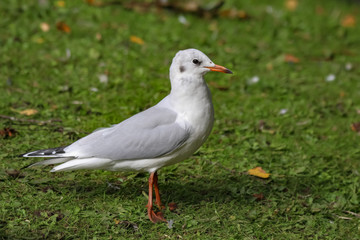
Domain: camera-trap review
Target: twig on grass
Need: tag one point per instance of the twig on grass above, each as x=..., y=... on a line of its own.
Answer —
x=342, y=217
x=352, y=213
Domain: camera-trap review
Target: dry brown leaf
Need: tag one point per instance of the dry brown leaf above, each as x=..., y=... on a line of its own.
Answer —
x=95, y=3
x=191, y=6
x=28, y=112
x=342, y=94
x=233, y=13
x=258, y=172
x=45, y=27
x=291, y=58
x=61, y=26
x=172, y=206
x=348, y=21
x=136, y=40
x=319, y=10
x=259, y=196
x=355, y=127
x=8, y=132
x=291, y=4
x=14, y=173
x=98, y=36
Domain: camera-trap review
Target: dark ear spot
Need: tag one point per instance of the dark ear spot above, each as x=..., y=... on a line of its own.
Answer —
x=182, y=69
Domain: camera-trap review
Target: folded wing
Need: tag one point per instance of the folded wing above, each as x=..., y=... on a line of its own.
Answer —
x=149, y=134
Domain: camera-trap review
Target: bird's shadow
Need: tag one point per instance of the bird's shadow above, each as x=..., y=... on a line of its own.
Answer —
x=218, y=187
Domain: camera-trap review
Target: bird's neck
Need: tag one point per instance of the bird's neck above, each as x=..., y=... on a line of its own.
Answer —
x=189, y=88
x=191, y=97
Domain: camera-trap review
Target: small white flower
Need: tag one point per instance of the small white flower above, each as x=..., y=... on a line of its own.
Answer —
x=348, y=66
x=68, y=53
x=330, y=77
x=183, y=20
x=103, y=78
x=94, y=89
x=283, y=111
x=253, y=80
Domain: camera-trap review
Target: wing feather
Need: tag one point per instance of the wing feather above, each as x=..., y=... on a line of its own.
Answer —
x=148, y=134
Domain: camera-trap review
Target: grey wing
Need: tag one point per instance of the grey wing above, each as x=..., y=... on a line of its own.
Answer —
x=148, y=134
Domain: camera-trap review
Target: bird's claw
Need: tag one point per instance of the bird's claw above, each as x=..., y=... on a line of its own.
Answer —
x=156, y=217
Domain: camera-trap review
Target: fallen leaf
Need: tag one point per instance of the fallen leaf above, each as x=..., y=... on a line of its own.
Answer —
x=191, y=6
x=14, y=173
x=98, y=36
x=45, y=27
x=117, y=221
x=259, y=196
x=61, y=26
x=60, y=3
x=342, y=94
x=290, y=58
x=258, y=172
x=136, y=40
x=172, y=206
x=263, y=127
x=8, y=132
x=28, y=112
x=319, y=10
x=233, y=14
x=38, y=40
x=291, y=4
x=348, y=21
x=355, y=127
x=95, y=3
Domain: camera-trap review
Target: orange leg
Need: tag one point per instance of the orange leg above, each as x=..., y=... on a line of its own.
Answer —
x=157, y=194
x=154, y=217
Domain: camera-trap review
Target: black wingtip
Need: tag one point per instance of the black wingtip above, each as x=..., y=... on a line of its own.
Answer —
x=45, y=152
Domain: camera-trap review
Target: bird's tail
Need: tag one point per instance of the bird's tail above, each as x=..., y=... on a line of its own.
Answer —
x=50, y=161
x=57, y=155
x=50, y=152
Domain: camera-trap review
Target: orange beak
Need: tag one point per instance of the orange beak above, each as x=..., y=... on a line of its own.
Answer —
x=218, y=68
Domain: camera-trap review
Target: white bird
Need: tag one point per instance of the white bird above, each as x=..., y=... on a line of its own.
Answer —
x=164, y=134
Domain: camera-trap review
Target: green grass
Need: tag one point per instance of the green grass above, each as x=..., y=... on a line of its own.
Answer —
x=310, y=151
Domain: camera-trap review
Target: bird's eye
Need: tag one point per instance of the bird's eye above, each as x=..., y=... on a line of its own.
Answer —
x=195, y=61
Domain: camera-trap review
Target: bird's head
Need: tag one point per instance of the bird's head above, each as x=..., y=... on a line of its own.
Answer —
x=192, y=62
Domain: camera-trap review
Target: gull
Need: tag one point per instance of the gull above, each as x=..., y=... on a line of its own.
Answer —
x=162, y=135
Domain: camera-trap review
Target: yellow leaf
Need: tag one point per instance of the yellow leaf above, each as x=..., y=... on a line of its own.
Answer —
x=28, y=112
x=137, y=40
x=45, y=27
x=258, y=172
x=117, y=221
x=60, y=3
x=291, y=4
x=38, y=40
